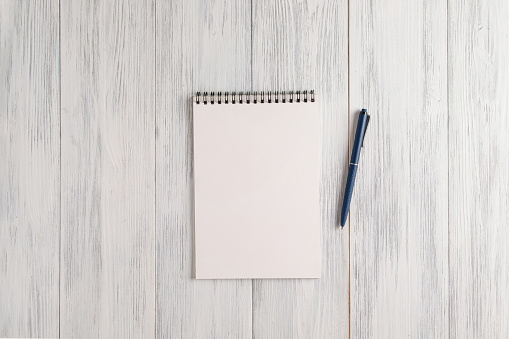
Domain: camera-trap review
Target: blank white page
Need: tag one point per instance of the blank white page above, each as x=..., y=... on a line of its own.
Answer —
x=256, y=182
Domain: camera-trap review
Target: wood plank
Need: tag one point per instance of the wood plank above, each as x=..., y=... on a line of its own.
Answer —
x=201, y=46
x=304, y=45
x=29, y=169
x=399, y=213
x=108, y=169
x=478, y=168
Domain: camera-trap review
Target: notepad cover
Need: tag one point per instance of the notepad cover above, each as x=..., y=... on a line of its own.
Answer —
x=256, y=190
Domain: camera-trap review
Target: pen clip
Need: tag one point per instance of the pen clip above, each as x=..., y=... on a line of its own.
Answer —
x=365, y=128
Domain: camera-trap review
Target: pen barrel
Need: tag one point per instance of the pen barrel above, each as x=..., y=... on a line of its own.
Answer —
x=359, y=136
x=350, y=182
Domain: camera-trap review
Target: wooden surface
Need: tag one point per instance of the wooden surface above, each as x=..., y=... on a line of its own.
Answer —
x=96, y=170
x=200, y=46
x=478, y=169
x=107, y=261
x=300, y=45
x=29, y=169
x=399, y=216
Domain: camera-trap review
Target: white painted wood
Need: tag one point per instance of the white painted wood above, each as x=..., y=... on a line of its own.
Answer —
x=108, y=169
x=479, y=169
x=29, y=169
x=304, y=45
x=428, y=242
x=399, y=215
x=201, y=46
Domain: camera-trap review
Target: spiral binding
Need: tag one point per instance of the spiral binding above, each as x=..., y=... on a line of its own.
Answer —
x=255, y=97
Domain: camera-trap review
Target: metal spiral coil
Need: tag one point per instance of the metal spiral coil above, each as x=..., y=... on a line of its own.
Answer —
x=254, y=98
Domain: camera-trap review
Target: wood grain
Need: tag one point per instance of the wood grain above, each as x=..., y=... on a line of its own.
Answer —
x=201, y=46
x=29, y=169
x=108, y=169
x=304, y=45
x=96, y=184
x=399, y=214
x=479, y=169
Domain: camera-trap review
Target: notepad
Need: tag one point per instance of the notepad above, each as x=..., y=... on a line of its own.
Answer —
x=256, y=185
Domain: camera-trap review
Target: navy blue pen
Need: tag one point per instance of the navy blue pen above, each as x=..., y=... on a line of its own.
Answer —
x=362, y=125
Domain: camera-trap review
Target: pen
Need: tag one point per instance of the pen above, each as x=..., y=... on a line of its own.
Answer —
x=362, y=125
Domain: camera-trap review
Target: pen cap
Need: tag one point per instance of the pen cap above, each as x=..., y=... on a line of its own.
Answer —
x=359, y=136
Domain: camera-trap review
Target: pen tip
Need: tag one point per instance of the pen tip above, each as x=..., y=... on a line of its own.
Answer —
x=364, y=110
